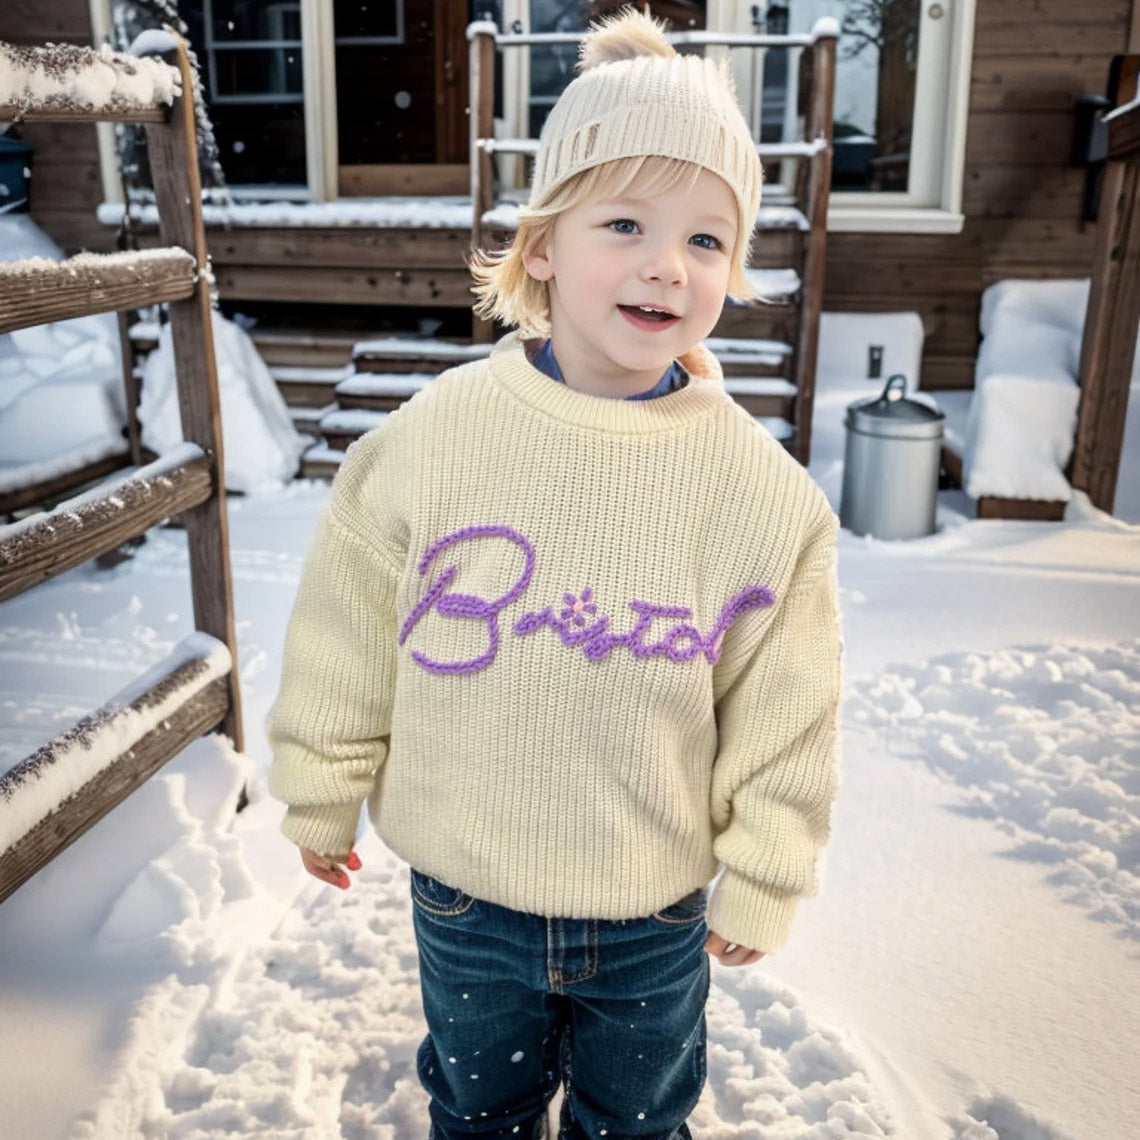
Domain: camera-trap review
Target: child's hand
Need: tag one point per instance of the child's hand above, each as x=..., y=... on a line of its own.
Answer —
x=329, y=870
x=729, y=953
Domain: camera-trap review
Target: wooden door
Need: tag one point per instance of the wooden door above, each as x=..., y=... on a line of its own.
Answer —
x=401, y=78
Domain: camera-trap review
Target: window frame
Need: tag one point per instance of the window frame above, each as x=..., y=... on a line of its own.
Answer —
x=318, y=67
x=941, y=98
x=933, y=204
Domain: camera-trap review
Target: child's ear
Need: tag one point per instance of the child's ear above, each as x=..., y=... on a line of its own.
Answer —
x=536, y=261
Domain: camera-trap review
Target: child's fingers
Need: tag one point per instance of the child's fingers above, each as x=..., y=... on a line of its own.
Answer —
x=327, y=869
x=353, y=862
x=731, y=953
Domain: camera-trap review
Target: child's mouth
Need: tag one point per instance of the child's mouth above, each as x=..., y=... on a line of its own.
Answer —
x=646, y=317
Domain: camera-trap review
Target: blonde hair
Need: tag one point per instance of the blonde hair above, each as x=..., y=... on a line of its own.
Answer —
x=508, y=293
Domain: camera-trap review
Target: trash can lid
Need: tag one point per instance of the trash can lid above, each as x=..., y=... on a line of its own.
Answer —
x=13, y=147
x=892, y=414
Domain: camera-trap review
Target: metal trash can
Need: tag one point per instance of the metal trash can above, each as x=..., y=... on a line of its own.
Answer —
x=891, y=462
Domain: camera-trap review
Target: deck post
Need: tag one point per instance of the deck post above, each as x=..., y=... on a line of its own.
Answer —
x=819, y=127
x=191, y=326
x=482, y=126
x=1108, y=345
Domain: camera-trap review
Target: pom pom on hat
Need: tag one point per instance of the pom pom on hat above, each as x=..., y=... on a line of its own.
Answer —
x=626, y=35
x=634, y=97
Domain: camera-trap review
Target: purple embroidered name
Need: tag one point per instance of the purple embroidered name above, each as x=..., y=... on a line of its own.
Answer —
x=682, y=641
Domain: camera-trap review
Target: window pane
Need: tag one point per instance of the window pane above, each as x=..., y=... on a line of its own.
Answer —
x=257, y=73
x=371, y=19
x=874, y=86
x=254, y=20
x=254, y=96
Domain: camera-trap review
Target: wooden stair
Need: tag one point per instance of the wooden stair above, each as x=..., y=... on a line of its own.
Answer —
x=389, y=370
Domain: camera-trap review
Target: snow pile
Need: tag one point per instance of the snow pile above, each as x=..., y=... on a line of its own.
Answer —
x=1023, y=416
x=73, y=365
x=443, y=212
x=261, y=448
x=67, y=76
x=1046, y=743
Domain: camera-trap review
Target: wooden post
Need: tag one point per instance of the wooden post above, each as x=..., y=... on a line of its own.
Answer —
x=820, y=126
x=1108, y=345
x=172, y=149
x=482, y=126
x=130, y=388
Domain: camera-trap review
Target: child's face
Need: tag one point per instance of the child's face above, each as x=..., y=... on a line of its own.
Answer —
x=606, y=258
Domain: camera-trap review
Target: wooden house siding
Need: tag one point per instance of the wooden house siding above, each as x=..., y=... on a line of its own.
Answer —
x=66, y=186
x=1021, y=199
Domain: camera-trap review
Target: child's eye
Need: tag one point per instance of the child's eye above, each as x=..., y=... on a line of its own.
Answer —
x=623, y=226
x=707, y=241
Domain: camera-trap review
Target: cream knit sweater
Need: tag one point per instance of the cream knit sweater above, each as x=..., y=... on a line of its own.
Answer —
x=579, y=654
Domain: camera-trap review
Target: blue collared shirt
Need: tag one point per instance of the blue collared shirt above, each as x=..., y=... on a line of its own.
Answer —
x=674, y=380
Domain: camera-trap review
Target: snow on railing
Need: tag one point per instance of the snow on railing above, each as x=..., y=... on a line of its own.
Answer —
x=63, y=77
x=35, y=788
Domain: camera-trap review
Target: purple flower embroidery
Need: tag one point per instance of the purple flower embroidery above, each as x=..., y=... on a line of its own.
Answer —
x=576, y=609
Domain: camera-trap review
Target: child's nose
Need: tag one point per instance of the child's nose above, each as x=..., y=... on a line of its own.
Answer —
x=666, y=263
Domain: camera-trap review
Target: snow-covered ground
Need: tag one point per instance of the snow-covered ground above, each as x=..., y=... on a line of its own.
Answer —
x=969, y=972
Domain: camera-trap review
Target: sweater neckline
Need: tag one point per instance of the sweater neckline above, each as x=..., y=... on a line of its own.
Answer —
x=699, y=398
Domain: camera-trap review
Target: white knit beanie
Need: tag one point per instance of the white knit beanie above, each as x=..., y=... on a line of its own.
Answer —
x=636, y=96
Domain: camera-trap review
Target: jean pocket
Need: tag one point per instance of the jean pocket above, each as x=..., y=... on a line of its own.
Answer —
x=438, y=898
x=689, y=910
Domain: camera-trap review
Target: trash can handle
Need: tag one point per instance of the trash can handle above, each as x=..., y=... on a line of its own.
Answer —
x=895, y=389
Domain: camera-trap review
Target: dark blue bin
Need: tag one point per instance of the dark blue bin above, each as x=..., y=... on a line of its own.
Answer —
x=14, y=159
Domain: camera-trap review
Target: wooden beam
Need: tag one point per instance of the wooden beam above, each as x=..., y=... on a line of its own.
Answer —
x=1108, y=344
x=10, y=113
x=1109, y=341
x=49, y=543
x=1028, y=510
x=819, y=125
x=395, y=179
x=113, y=782
x=440, y=287
x=37, y=291
x=47, y=489
x=173, y=155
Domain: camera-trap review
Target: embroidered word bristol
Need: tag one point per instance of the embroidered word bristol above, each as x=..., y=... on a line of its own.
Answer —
x=682, y=642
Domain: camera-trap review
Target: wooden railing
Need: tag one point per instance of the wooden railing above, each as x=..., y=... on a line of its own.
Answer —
x=48, y=800
x=1108, y=345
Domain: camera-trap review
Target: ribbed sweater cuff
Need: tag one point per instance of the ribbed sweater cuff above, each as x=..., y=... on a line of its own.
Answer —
x=325, y=830
x=750, y=913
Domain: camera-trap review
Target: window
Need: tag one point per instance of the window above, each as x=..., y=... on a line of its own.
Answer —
x=902, y=81
x=250, y=55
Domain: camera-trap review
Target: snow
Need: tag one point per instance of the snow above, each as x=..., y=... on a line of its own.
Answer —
x=76, y=365
x=444, y=212
x=97, y=79
x=967, y=973
x=261, y=448
x=32, y=790
x=153, y=41
x=1023, y=417
x=384, y=383
x=421, y=348
x=73, y=364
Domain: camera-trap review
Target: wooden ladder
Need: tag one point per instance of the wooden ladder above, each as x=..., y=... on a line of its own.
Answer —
x=85, y=772
x=768, y=350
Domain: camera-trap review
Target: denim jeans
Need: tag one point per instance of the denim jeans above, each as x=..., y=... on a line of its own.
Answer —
x=516, y=1003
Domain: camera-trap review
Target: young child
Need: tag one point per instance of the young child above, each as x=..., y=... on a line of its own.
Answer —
x=569, y=626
